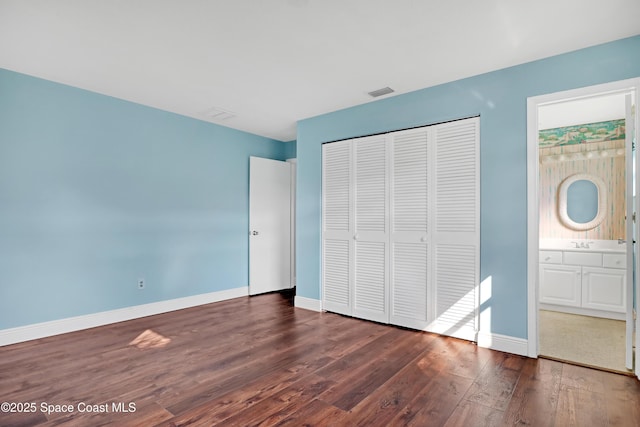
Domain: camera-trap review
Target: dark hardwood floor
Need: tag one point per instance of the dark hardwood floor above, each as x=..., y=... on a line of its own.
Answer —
x=259, y=361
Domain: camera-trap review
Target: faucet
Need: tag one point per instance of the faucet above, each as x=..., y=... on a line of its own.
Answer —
x=582, y=245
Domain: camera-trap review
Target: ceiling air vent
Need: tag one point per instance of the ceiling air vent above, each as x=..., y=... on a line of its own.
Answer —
x=218, y=114
x=380, y=92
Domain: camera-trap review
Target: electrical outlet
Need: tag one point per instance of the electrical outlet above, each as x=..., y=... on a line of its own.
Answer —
x=140, y=283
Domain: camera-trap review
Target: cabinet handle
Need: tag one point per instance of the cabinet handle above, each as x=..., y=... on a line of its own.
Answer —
x=547, y=258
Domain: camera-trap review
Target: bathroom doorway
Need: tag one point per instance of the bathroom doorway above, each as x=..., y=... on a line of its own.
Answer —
x=581, y=232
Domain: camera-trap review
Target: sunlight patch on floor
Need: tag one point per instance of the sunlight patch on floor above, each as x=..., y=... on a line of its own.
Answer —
x=150, y=339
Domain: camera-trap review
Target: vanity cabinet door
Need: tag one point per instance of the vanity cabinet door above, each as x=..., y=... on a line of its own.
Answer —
x=561, y=285
x=604, y=289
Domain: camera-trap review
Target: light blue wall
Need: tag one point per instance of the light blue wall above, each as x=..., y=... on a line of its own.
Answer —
x=500, y=99
x=290, y=149
x=97, y=192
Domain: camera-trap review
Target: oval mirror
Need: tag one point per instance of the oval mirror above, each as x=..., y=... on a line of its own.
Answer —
x=582, y=201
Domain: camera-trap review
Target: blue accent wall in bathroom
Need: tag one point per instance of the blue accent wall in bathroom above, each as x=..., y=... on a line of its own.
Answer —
x=97, y=192
x=500, y=98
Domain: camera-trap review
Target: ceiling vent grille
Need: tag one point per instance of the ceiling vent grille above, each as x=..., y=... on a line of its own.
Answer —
x=380, y=92
x=219, y=114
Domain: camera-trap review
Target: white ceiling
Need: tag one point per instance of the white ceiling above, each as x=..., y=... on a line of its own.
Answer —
x=274, y=62
x=592, y=109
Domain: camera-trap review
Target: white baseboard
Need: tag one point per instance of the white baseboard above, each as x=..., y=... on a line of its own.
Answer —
x=71, y=324
x=503, y=343
x=308, y=303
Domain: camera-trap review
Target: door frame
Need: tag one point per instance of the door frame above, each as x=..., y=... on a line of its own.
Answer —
x=533, y=196
x=294, y=171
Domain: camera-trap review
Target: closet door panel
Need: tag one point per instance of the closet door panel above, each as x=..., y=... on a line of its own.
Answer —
x=336, y=276
x=409, y=286
x=370, y=284
x=371, y=187
x=456, y=234
x=409, y=228
x=371, y=211
x=337, y=221
x=456, y=290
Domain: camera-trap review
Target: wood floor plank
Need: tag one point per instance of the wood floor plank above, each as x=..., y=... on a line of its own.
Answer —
x=260, y=361
x=435, y=403
x=278, y=407
x=580, y=407
x=316, y=413
x=145, y=415
x=495, y=384
x=241, y=399
x=364, y=379
x=583, y=378
x=384, y=403
x=622, y=397
x=464, y=358
x=474, y=414
x=535, y=398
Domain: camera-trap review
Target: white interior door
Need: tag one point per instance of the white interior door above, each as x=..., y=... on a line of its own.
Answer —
x=632, y=232
x=634, y=113
x=269, y=225
x=629, y=234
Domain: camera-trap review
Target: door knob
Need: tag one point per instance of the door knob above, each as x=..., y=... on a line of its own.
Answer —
x=254, y=233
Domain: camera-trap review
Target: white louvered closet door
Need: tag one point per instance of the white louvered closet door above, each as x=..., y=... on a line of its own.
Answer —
x=410, y=234
x=456, y=237
x=337, y=222
x=370, y=283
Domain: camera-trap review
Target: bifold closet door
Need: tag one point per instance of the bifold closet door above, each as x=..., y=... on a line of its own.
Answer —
x=456, y=236
x=410, y=234
x=355, y=224
x=337, y=223
x=401, y=228
x=370, y=280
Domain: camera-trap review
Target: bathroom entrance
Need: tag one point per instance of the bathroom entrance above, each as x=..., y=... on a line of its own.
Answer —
x=581, y=229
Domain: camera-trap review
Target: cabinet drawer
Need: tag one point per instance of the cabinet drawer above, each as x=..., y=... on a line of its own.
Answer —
x=614, y=260
x=583, y=258
x=551, y=257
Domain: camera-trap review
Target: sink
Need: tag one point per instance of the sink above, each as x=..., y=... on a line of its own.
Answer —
x=583, y=245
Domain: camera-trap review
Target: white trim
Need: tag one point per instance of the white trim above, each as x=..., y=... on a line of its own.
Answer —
x=308, y=303
x=503, y=343
x=533, y=161
x=294, y=168
x=71, y=324
x=533, y=233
